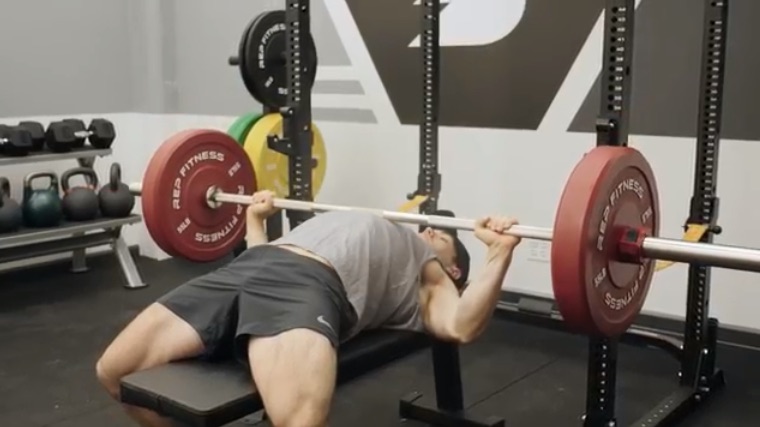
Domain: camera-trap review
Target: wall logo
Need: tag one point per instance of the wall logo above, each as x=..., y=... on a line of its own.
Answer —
x=667, y=70
x=477, y=22
x=502, y=61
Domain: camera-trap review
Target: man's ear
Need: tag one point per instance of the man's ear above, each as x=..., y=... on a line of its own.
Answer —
x=454, y=272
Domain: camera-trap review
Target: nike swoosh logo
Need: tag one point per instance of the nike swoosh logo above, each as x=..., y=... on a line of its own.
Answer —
x=321, y=319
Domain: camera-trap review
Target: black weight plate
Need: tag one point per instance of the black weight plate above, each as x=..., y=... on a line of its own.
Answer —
x=262, y=59
x=243, y=59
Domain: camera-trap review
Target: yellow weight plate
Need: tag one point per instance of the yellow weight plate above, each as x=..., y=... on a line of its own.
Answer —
x=271, y=167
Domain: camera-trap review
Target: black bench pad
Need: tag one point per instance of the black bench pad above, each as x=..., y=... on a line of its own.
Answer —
x=207, y=394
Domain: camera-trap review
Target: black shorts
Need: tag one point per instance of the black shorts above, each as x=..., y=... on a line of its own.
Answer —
x=263, y=292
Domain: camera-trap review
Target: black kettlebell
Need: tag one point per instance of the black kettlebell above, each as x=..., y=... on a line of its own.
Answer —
x=11, y=218
x=80, y=203
x=42, y=207
x=115, y=199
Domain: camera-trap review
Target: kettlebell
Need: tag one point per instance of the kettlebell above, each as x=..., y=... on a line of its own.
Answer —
x=11, y=218
x=115, y=199
x=42, y=207
x=80, y=203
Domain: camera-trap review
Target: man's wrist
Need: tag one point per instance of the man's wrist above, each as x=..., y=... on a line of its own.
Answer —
x=255, y=232
x=499, y=250
x=255, y=220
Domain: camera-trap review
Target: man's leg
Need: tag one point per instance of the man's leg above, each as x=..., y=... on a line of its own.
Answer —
x=291, y=315
x=295, y=374
x=191, y=320
x=155, y=337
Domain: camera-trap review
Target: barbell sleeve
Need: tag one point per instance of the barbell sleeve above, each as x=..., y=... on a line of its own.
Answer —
x=135, y=188
x=731, y=257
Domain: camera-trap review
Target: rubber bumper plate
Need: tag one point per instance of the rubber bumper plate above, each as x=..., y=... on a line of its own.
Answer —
x=177, y=182
x=612, y=189
x=272, y=168
x=241, y=126
x=262, y=58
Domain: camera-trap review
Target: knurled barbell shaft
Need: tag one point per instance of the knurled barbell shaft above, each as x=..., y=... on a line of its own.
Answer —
x=652, y=247
x=731, y=257
x=435, y=221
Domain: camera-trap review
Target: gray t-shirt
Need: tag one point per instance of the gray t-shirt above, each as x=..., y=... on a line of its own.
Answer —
x=378, y=261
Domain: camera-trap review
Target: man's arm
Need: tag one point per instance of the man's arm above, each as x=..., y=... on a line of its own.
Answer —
x=256, y=233
x=452, y=317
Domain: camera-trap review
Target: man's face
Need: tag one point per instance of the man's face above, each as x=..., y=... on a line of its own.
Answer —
x=442, y=244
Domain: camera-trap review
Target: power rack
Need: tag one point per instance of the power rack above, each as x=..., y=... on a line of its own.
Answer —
x=698, y=377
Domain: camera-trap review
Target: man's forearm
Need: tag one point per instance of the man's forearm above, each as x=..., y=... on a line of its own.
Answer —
x=478, y=301
x=256, y=233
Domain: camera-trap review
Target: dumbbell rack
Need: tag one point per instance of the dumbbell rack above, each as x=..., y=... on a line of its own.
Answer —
x=73, y=237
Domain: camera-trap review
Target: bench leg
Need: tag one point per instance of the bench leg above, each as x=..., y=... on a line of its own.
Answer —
x=411, y=407
x=255, y=419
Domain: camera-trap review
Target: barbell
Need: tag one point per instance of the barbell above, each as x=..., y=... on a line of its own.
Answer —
x=604, y=240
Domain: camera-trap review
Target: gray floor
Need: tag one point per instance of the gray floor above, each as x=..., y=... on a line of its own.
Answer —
x=53, y=326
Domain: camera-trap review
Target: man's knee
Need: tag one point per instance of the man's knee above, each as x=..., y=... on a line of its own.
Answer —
x=156, y=336
x=309, y=413
x=109, y=375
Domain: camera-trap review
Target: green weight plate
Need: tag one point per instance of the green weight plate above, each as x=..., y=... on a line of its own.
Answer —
x=241, y=126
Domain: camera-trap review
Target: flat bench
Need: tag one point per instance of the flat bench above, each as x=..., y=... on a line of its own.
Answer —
x=204, y=394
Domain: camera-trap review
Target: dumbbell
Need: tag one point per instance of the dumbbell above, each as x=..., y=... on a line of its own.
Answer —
x=36, y=132
x=71, y=133
x=14, y=141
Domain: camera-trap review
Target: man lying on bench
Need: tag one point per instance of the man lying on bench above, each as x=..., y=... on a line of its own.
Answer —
x=283, y=307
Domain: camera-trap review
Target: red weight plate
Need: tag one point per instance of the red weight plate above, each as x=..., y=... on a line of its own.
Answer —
x=175, y=186
x=611, y=188
x=152, y=207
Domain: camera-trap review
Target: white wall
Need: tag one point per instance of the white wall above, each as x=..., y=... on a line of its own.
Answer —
x=518, y=173
x=489, y=171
